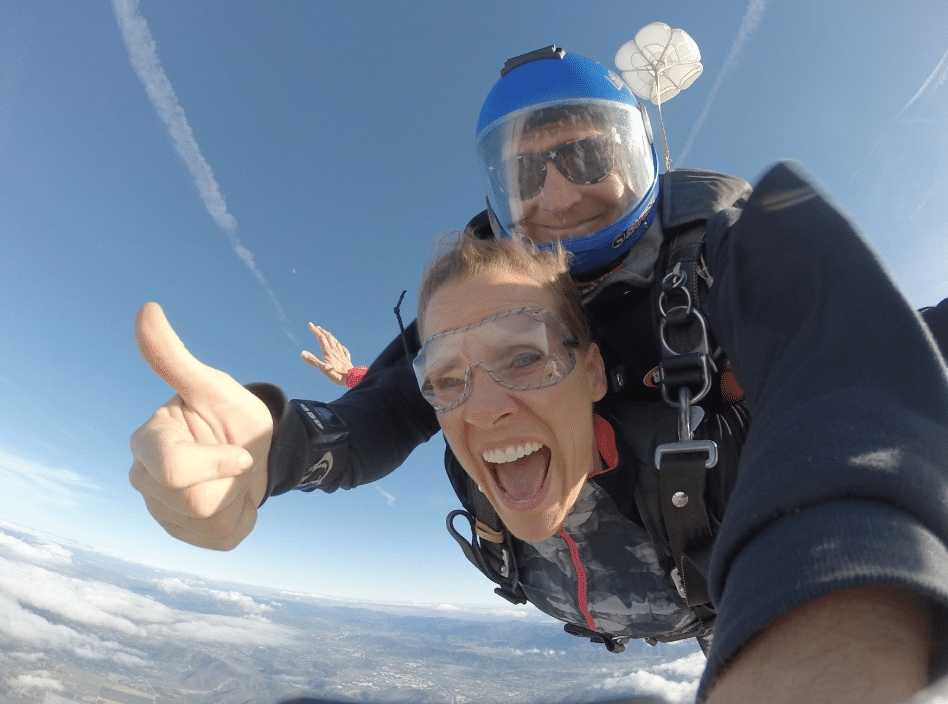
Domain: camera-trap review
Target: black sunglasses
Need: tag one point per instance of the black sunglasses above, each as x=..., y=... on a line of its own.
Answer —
x=583, y=161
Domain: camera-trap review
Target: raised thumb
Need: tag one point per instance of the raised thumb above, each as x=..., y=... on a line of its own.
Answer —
x=161, y=347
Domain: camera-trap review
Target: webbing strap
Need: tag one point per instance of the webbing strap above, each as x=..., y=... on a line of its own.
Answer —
x=685, y=378
x=494, y=536
x=682, y=479
x=490, y=548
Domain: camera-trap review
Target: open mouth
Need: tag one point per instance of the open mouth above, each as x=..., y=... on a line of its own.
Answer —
x=521, y=473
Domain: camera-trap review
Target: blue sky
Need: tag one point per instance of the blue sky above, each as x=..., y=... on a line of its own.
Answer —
x=320, y=148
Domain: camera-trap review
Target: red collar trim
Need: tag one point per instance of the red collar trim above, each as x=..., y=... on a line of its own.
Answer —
x=606, y=443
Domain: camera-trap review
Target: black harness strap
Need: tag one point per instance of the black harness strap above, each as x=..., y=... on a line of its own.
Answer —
x=686, y=376
x=490, y=548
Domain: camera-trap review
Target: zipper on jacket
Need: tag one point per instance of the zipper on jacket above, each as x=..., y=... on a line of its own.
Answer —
x=581, y=586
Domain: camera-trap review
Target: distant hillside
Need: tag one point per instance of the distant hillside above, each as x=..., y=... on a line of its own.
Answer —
x=88, y=627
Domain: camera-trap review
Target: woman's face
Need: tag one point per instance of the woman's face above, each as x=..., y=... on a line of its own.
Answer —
x=550, y=428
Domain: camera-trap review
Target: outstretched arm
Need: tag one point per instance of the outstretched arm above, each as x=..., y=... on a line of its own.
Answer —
x=842, y=478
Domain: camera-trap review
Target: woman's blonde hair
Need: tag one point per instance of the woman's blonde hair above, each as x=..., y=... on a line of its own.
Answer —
x=464, y=256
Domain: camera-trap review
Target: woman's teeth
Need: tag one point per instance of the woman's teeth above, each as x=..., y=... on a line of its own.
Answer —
x=511, y=452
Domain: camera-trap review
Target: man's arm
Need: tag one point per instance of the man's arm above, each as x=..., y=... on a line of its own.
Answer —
x=843, y=474
x=384, y=419
x=866, y=645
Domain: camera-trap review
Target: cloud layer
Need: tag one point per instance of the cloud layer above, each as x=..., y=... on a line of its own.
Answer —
x=45, y=609
x=69, y=614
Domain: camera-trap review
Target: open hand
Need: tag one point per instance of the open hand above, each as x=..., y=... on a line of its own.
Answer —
x=336, y=361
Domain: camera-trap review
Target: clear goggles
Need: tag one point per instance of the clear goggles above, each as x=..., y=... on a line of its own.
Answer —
x=522, y=349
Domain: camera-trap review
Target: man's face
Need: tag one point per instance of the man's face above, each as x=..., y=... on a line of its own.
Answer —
x=563, y=209
x=549, y=430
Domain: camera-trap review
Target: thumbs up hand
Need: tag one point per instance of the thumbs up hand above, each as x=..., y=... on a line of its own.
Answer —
x=200, y=462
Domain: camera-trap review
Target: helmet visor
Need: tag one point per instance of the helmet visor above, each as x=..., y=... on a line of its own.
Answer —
x=522, y=349
x=599, y=139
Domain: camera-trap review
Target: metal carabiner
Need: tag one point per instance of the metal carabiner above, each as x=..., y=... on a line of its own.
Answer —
x=675, y=281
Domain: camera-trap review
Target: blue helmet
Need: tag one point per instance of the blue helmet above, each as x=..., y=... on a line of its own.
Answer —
x=556, y=110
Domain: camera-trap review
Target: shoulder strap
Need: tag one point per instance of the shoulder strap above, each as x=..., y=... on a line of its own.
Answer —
x=490, y=548
x=685, y=377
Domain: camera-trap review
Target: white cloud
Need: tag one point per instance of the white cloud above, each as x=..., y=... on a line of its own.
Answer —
x=88, y=603
x=691, y=666
x=47, y=552
x=175, y=585
x=499, y=611
x=28, y=657
x=26, y=627
x=224, y=629
x=935, y=80
x=548, y=652
x=676, y=681
x=43, y=610
x=389, y=499
x=143, y=55
x=40, y=679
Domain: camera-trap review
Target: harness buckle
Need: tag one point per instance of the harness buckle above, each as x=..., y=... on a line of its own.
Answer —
x=688, y=447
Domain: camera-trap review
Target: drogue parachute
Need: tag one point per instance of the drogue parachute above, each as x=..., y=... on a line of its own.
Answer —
x=657, y=65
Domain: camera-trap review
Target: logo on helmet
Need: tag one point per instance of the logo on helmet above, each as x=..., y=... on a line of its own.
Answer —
x=646, y=215
x=623, y=236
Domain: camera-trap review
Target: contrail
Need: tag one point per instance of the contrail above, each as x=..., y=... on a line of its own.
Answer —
x=752, y=16
x=935, y=79
x=143, y=55
x=389, y=499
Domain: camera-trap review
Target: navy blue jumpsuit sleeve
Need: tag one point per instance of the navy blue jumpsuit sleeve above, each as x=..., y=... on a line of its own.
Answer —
x=385, y=418
x=844, y=477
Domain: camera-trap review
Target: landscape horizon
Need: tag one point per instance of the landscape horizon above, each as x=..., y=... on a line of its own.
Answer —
x=77, y=625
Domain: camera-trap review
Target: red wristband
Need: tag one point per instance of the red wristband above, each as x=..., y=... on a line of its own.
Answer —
x=354, y=376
